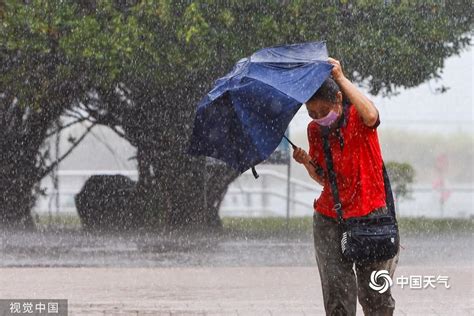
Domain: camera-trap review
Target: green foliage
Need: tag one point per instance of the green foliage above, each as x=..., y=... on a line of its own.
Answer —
x=26, y=44
x=382, y=45
x=401, y=176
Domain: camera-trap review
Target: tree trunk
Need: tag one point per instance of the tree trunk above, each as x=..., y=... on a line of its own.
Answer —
x=21, y=162
x=180, y=183
x=17, y=182
x=192, y=192
x=180, y=191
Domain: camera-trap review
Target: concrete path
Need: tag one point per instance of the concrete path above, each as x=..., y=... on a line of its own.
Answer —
x=249, y=290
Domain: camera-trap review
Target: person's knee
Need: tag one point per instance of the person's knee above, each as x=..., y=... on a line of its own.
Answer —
x=385, y=309
x=340, y=292
x=340, y=300
x=375, y=303
x=339, y=309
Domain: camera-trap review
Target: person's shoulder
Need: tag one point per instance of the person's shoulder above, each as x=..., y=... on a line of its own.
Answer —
x=358, y=119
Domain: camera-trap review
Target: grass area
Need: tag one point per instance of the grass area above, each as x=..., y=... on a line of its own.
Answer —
x=304, y=224
x=63, y=221
x=422, y=224
x=268, y=226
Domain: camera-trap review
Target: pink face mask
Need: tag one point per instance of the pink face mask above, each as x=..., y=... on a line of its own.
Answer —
x=328, y=119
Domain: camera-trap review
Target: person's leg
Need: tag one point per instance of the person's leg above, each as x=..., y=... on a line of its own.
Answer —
x=337, y=275
x=374, y=303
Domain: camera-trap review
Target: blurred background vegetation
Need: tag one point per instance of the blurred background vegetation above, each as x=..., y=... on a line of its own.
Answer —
x=140, y=67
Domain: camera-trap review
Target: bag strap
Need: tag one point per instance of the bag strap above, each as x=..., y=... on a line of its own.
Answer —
x=332, y=174
x=388, y=192
x=389, y=201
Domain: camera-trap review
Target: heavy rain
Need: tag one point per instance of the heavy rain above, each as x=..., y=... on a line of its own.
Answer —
x=236, y=157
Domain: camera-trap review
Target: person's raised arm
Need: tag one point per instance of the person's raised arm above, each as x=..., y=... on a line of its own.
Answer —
x=365, y=107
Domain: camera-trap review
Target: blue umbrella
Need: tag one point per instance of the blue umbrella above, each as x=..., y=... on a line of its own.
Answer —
x=243, y=118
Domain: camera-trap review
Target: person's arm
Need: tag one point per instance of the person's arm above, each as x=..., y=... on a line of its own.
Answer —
x=312, y=173
x=299, y=155
x=365, y=107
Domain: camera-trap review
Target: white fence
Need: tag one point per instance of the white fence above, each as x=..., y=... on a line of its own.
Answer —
x=268, y=196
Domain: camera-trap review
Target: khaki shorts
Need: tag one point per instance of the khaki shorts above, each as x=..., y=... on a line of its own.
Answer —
x=343, y=281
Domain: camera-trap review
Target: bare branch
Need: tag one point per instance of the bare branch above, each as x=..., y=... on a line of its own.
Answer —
x=75, y=116
x=79, y=114
x=74, y=145
x=82, y=119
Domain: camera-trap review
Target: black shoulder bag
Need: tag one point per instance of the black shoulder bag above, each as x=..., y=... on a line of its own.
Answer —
x=364, y=239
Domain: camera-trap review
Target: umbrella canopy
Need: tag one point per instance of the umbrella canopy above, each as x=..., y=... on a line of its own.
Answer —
x=243, y=118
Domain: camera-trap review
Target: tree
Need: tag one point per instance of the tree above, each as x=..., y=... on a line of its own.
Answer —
x=140, y=67
x=401, y=176
x=36, y=85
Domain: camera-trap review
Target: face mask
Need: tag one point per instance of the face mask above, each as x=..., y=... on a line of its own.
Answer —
x=328, y=119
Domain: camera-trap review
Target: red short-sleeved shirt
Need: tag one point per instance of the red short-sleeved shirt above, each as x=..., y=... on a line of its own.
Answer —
x=358, y=167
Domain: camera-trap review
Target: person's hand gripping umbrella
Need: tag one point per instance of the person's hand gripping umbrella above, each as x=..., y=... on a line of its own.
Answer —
x=319, y=170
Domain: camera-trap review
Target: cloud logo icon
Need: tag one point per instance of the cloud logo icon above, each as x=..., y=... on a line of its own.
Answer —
x=380, y=281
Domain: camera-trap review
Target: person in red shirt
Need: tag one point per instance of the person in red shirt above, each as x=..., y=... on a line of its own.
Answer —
x=352, y=120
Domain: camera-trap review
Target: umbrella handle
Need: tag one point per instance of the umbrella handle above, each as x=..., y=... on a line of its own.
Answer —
x=289, y=141
x=319, y=170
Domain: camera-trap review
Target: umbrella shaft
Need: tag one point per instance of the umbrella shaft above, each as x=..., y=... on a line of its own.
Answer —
x=294, y=147
x=291, y=143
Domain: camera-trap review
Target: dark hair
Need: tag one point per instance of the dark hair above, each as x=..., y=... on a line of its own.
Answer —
x=327, y=91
